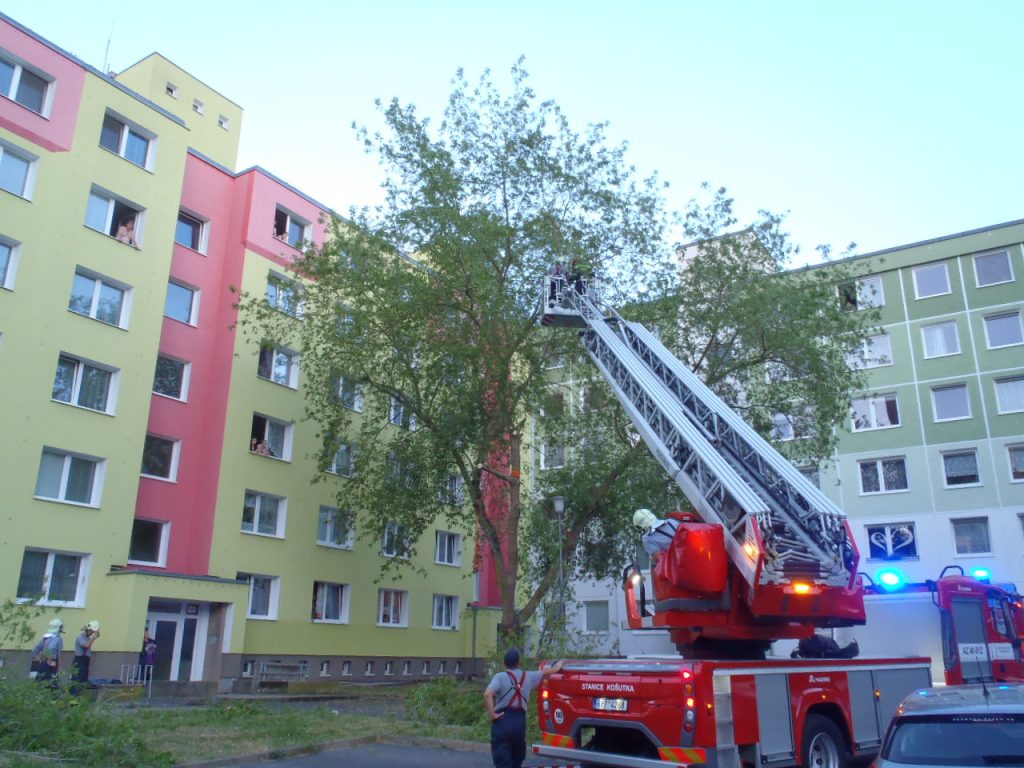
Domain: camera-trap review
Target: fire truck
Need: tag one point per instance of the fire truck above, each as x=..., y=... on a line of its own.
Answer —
x=764, y=556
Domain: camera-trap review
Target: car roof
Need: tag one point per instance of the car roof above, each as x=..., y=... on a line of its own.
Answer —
x=963, y=699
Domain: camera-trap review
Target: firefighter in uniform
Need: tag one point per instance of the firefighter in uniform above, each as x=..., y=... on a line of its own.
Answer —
x=507, y=696
x=657, y=534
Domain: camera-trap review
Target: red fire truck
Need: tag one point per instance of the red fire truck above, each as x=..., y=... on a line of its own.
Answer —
x=764, y=556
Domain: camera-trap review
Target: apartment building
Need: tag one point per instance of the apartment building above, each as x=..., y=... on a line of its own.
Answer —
x=930, y=464
x=157, y=471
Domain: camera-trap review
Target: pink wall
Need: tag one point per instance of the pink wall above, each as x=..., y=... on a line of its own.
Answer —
x=56, y=131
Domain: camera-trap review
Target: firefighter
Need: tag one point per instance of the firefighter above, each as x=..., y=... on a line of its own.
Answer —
x=657, y=534
x=507, y=696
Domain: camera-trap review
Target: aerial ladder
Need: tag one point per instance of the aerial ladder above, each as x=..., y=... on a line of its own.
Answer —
x=770, y=557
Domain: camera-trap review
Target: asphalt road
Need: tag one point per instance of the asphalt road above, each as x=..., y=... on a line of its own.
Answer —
x=390, y=756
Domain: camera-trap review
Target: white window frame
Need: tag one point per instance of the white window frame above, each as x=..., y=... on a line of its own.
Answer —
x=989, y=255
x=445, y=612
x=20, y=68
x=320, y=590
x=929, y=270
x=186, y=377
x=165, y=535
x=1017, y=448
x=193, y=315
x=453, y=492
x=936, y=331
x=447, y=548
x=172, y=477
x=99, y=281
x=81, y=586
x=400, y=415
x=880, y=475
x=285, y=294
x=333, y=517
x=287, y=435
x=394, y=542
x=203, y=236
x=1004, y=389
x=586, y=617
x=876, y=352
x=13, y=248
x=335, y=467
x=869, y=291
x=872, y=404
x=1003, y=316
x=949, y=388
x=171, y=90
x=425, y=669
x=945, y=469
x=98, y=474
x=109, y=202
x=80, y=364
x=282, y=513
x=126, y=129
x=988, y=533
x=350, y=393
x=276, y=350
x=273, y=596
x=893, y=537
x=386, y=605
x=550, y=454
x=31, y=160
x=290, y=219
x=198, y=107
x=783, y=428
x=223, y=122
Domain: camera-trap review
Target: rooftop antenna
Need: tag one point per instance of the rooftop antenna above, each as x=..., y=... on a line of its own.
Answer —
x=106, y=53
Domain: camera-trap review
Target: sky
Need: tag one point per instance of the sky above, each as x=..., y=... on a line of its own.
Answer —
x=879, y=123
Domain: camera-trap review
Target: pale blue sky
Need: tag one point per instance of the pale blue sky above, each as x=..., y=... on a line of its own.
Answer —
x=877, y=122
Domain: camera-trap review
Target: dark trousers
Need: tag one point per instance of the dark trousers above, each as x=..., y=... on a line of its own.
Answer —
x=80, y=669
x=508, y=738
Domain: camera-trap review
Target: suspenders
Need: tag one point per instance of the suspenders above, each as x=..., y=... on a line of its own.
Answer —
x=517, y=701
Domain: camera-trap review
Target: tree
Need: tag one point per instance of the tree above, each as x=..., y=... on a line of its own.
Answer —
x=425, y=312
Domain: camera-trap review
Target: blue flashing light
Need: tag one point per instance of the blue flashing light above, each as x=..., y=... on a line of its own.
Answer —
x=891, y=579
x=981, y=574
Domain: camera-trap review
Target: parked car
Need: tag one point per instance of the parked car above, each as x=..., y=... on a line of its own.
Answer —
x=957, y=725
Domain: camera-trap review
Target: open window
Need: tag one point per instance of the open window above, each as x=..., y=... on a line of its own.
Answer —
x=290, y=228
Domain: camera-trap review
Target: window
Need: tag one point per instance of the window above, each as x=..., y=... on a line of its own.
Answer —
x=448, y=548
x=1016, y=456
x=69, y=477
x=892, y=541
x=961, y=468
x=325, y=669
x=993, y=268
x=1010, y=395
x=129, y=141
x=290, y=228
x=406, y=667
x=389, y=668
x=401, y=471
x=270, y=437
x=865, y=293
x=223, y=122
x=446, y=612
x=171, y=377
x=595, y=616
x=24, y=86
x=107, y=214
x=16, y=171
x=883, y=475
x=552, y=456
x=453, y=491
x=263, y=595
x=344, y=461
x=368, y=669
x=8, y=262
x=149, y=542
x=425, y=669
x=782, y=427
x=941, y=339
x=876, y=412
x=190, y=232
x=350, y=393
x=394, y=541
x=279, y=365
x=1004, y=330
x=874, y=352
x=346, y=668
x=392, y=608
x=401, y=414
x=971, y=536
x=812, y=474
x=182, y=303
x=160, y=457
x=197, y=106
x=55, y=578
x=284, y=294
x=335, y=528
x=99, y=298
x=330, y=602
x=263, y=514
x=949, y=403
x=171, y=90
x=84, y=384
x=932, y=280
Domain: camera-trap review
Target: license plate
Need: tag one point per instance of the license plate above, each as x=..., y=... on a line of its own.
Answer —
x=610, y=705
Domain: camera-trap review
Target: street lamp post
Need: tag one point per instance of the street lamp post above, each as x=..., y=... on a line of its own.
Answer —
x=559, y=504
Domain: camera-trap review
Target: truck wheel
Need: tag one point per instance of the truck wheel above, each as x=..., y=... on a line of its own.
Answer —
x=823, y=745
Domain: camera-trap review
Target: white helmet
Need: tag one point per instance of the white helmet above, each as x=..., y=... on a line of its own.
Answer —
x=644, y=518
x=56, y=625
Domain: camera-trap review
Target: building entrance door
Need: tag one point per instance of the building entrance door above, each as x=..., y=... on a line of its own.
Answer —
x=179, y=629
